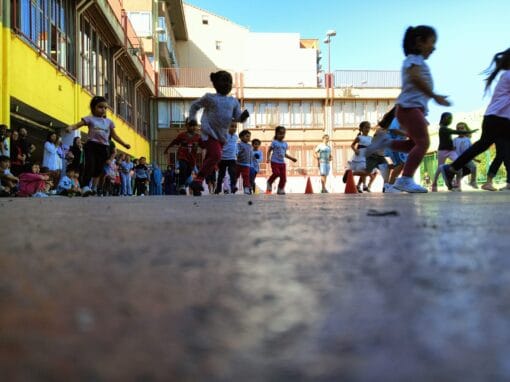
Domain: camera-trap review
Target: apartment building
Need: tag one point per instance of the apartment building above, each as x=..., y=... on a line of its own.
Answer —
x=57, y=54
x=277, y=78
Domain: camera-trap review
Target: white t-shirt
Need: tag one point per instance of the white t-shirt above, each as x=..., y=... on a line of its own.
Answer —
x=324, y=152
x=500, y=102
x=461, y=144
x=411, y=96
x=279, y=150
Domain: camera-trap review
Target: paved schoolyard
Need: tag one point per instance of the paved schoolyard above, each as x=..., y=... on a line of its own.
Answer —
x=256, y=288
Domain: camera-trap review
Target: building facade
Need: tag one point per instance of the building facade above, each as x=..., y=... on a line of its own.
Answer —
x=277, y=78
x=57, y=54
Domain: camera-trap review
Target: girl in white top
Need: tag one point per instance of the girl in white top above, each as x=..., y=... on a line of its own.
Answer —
x=496, y=121
x=358, y=162
x=276, y=155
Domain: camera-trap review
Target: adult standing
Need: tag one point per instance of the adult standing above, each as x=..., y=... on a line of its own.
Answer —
x=26, y=147
x=50, y=155
x=17, y=156
x=323, y=155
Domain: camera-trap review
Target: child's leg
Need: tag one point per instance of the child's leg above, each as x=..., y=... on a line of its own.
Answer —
x=283, y=176
x=245, y=173
x=414, y=123
x=253, y=175
x=212, y=157
x=232, y=169
x=275, y=173
x=222, y=169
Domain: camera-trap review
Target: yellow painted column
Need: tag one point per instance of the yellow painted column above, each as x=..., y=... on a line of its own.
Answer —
x=5, y=43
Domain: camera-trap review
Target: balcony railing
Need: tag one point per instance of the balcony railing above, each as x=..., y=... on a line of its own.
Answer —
x=199, y=78
x=367, y=78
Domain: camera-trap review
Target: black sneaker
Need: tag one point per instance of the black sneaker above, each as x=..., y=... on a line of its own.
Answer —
x=344, y=178
x=197, y=188
x=182, y=191
x=448, y=175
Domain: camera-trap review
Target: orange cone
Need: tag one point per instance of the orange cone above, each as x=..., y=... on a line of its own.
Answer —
x=350, y=186
x=308, y=189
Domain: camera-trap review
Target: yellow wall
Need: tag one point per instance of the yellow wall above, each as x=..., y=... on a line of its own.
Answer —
x=38, y=83
x=5, y=33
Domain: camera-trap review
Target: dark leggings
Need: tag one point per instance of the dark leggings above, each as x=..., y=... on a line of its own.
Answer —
x=495, y=165
x=223, y=166
x=185, y=170
x=494, y=130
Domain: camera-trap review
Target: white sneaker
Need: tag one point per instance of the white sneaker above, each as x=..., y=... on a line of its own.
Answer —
x=407, y=184
x=380, y=142
x=390, y=189
x=280, y=191
x=247, y=190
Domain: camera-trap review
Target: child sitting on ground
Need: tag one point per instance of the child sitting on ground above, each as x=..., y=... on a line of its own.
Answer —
x=31, y=183
x=68, y=184
x=8, y=181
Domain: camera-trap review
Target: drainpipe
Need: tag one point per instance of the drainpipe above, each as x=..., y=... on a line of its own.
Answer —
x=5, y=46
x=81, y=7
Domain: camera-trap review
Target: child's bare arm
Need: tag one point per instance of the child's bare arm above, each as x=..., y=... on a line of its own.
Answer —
x=75, y=126
x=290, y=157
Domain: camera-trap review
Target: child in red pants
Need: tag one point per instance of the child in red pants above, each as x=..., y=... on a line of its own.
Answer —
x=219, y=111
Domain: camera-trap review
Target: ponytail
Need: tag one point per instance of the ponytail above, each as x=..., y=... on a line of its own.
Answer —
x=501, y=61
x=415, y=34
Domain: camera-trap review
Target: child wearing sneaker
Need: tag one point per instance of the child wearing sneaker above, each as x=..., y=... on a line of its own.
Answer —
x=461, y=144
x=276, y=156
x=496, y=121
x=97, y=148
x=219, y=110
x=255, y=162
x=244, y=157
x=417, y=89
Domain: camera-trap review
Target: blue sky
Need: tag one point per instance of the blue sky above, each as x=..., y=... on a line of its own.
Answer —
x=369, y=35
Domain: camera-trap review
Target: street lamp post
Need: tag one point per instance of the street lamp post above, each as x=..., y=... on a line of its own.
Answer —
x=330, y=33
x=329, y=81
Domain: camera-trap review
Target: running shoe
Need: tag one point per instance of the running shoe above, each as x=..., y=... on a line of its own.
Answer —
x=407, y=184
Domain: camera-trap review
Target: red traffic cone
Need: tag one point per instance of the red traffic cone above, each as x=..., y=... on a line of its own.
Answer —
x=350, y=186
x=308, y=189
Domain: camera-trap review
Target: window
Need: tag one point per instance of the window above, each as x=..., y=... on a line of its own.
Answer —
x=142, y=117
x=218, y=45
x=95, y=60
x=124, y=95
x=142, y=23
x=48, y=25
x=173, y=114
x=205, y=20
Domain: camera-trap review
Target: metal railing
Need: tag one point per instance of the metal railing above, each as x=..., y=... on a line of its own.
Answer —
x=199, y=78
x=367, y=78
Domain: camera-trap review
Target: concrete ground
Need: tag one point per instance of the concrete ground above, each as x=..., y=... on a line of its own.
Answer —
x=256, y=288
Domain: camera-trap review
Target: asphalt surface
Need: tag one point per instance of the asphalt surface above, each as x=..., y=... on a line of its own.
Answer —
x=256, y=288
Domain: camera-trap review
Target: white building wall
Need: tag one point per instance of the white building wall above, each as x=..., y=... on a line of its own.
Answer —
x=266, y=59
x=200, y=51
x=276, y=60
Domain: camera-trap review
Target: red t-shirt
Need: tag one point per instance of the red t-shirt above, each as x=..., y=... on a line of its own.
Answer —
x=188, y=146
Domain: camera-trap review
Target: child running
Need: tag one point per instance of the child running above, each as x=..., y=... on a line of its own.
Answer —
x=276, y=156
x=97, y=148
x=461, y=144
x=496, y=121
x=446, y=149
x=417, y=89
x=219, y=110
x=188, y=142
x=255, y=162
x=228, y=162
x=244, y=157
x=358, y=162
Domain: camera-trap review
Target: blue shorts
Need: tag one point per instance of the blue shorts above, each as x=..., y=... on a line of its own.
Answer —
x=324, y=169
